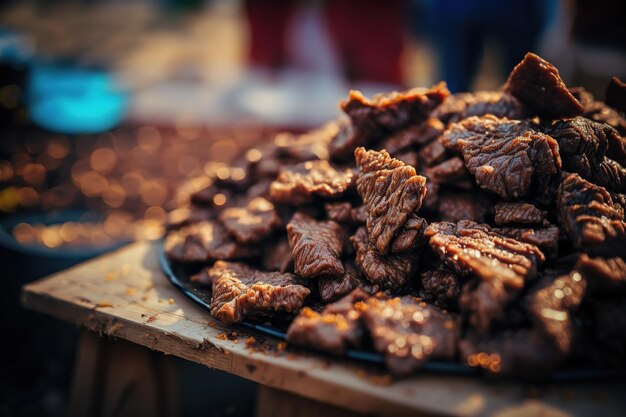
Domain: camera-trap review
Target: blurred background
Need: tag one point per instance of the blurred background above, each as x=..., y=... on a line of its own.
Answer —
x=113, y=112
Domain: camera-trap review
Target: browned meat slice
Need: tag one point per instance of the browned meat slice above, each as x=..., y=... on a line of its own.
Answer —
x=522, y=213
x=344, y=213
x=418, y=134
x=212, y=196
x=502, y=266
x=298, y=184
x=239, y=290
x=342, y=147
x=616, y=94
x=333, y=330
x=204, y=241
x=606, y=276
x=619, y=201
x=410, y=235
x=331, y=289
x=600, y=112
x=432, y=153
x=202, y=277
x=464, y=206
x=316, y=247
x=339, y=212
x=537, y=84
x=546, y=238
x=187, y=215
x=277, y=256
x=408, y=332
x=431, y=200
x=308, y=146
x=470, y=248
x=251, y=222
x=589, y=217
x=584, y=138
x=583, y=145
x=391, y=190
x=610, y=174
x=441, y=286
x=551, y=303
x=504, y=155
x=447, y=172
x=462, y=105
x=519, y=352
x=392, y=271
x=390, y=112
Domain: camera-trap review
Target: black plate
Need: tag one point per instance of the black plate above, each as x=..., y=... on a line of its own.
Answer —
x=180, y=279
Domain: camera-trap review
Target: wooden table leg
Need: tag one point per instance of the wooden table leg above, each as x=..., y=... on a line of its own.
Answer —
x=272, y=402
x=116, y=378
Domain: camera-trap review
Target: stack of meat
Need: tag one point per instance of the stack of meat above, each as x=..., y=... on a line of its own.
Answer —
x=483, y=228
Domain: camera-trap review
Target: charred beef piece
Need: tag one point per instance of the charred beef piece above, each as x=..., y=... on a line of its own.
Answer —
x=460, y=106
x=408, y=332
x=204, y=241
x=545, y=238
x=583, y=145
x=386, y=113
x=307, y=146
x=505, y=156
x=414, y=135
x=431, y=153
x=345, y=213
x=202, y=277
x=410, y=236
x=521, y=213
x=450, y=171
x=501, y=266
x=442, y=287
x=334, y=330
x=277, y=255
x=523, y=352
x=331, y=289
x=605, y=276
x=551, y=303
x=316, y=247
x=251, y=222
x=464, y=205
x=239, y=290
x=184, y=216
x=392, y=271
x=588, y=216
x=298, y=184
x=391, y=190
x=616, y=94
x=470, y=248
x=537, y=84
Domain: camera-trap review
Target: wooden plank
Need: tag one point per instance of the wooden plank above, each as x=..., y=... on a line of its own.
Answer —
x=121, y=379
x=125, y=295
x=277, y=403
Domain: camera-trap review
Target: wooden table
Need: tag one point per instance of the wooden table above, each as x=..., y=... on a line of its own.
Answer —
x=125, y=295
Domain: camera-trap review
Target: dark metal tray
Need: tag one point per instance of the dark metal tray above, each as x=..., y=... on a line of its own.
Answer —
x=180, y=279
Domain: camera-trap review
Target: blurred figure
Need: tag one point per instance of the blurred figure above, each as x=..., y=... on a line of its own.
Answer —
x=460, y=28
x=362, y=39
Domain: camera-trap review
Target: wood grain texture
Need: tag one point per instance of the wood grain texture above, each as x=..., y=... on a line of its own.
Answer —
x=125, y=295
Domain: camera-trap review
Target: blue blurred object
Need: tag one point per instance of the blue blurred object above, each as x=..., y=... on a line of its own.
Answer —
x=73, y=100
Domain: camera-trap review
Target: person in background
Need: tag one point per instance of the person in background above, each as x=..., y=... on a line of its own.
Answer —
x=459, y=30
x=366, y=37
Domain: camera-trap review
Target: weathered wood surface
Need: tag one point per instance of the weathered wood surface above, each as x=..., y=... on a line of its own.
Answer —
x=125, y=295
